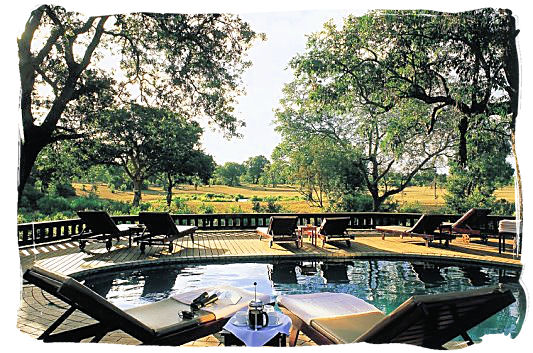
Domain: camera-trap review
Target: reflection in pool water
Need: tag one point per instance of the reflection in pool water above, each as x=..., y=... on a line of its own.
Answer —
x=385, y=284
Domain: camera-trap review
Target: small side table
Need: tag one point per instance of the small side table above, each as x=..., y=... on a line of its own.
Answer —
x=311, y=232
x=239, y=335
x=134, y=229
x=229, y=339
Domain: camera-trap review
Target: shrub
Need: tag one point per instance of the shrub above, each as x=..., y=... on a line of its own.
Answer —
x=52, y=204
x=354, y=203
x=256, y=207
x=414, y=207
x=205, y=208
x=180, y=206
x=273, y=207
x=63, y=189
x=235, y=209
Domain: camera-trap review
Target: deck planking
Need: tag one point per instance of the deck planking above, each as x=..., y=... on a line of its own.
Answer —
x=38, y=310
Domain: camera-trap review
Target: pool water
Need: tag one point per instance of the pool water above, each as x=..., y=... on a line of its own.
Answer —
x=384, y=283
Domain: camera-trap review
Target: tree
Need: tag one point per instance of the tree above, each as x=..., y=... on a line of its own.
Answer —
x=230, y=173
x=399, y=139
x=320, y=169
x=188, y=63
x=255, y=167
x=143, y=141
x=181, y=163
x=464, y=62
x=487, y=170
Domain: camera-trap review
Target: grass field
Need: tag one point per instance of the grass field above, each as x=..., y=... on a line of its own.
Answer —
x=289, y=198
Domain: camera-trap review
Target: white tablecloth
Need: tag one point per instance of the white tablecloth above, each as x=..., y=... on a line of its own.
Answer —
x=259, y=337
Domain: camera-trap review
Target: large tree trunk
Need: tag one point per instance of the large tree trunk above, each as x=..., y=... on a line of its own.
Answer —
x=170, y=185
x=463, y=129
x=137, y=185
x=34, y=142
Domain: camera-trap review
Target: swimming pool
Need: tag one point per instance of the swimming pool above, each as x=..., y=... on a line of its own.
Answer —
x=384, y=283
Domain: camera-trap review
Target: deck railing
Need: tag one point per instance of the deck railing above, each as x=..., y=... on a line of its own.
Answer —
x=44, y=232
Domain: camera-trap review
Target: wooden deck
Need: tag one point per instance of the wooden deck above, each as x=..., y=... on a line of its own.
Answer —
x=38, y=309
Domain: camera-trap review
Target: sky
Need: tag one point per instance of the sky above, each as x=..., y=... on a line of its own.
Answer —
x=286, y=36
x=264, y=81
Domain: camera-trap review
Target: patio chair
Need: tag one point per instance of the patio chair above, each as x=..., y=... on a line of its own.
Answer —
x=100, y=227
x=424, y=320
x=161, y=229
x=470, y=225
x=333, y=229
x=424, y=228
x=157, y=323
x=281, y=229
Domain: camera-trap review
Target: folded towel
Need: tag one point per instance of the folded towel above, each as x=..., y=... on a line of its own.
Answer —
x=510, y=226
x=230, y=299
x=325, y=305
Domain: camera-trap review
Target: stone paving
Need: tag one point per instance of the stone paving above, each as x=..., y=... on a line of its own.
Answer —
x=39, y=309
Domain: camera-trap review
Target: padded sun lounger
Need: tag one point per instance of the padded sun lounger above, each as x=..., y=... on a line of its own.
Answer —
x=469, y=225
x=156, y=323
x=424, y=320
x=100, y=227
x=161, y=229
x=424, y=228
x=281, y=229
x=333, y=229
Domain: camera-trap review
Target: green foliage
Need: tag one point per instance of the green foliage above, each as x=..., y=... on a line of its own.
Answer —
x=256, y=207
x=50, y=207
x=255, y=167
x=271, y=206
x=396, y=105
x=235, y=209
x=414, y=207
x=202, y=59
x=63, y=189
x=229, y=173
x=206, y=208
x=353, y=203
x=473, y=185
x=179, y=206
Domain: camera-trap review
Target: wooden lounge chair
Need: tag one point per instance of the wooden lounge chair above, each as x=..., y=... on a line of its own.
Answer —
x=333, y=229
x=424, y=228
x=424, y=320
x=469, y=225
x=161, y=229
x=100, y=227
x=156, y=323
x=281, y=229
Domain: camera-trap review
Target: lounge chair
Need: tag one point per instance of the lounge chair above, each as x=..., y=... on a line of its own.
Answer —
x=100, y=227
x=281, y=229
x=424, y=228
x=161, y=229
x=424, y=320
x=469, y=225
x=334, y=229
x=156, y=323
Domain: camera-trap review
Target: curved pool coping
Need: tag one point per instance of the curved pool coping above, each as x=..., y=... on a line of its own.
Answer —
x=131, y=265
